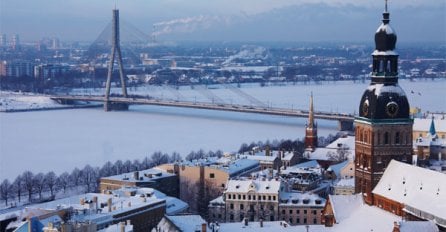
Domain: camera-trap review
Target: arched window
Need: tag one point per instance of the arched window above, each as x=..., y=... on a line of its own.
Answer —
x=379, y=138
x=381, y=66
x=397, y=138
x=388, y=66
x=386, y=138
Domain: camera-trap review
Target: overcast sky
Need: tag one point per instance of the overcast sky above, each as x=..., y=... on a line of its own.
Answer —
x=280, y=20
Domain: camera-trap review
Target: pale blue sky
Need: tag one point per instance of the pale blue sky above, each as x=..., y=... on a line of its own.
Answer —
x=290, y=20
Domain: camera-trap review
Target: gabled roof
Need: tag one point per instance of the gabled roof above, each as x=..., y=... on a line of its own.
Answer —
x=415, y=187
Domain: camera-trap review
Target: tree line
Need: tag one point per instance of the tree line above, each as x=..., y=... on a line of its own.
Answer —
x=35, y=186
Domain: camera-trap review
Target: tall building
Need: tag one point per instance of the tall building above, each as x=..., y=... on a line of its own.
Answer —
x=3, y=41
x=311, y=129
x=15, y=42
x=383, y=127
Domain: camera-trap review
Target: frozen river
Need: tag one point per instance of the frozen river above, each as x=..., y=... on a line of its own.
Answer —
x=63, y=139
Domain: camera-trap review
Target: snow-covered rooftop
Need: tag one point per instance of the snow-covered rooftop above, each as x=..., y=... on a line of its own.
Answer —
x=301, y=199
x=352, y=214
x=417, y=188
x=417, y=226
x=346, y=182
x=336, y=168
x=378, y=88
x=187, y=223
x=259, y=186
x=268, y=226
x=143, y=176
x=423, y=124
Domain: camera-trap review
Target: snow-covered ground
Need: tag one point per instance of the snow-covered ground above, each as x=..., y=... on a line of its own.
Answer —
x=63, y=139
x=25, y=101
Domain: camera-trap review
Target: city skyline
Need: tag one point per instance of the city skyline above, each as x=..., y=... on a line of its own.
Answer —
x=173, y=20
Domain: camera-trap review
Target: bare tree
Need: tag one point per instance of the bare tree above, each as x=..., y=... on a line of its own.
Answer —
x=5, y=189
x=107, y=169
x=119, y=166
x=28, y=182
x=159, y=158
x=174, y=157
x=127, y=166
x=18, y=186
x=136, y=165
x=39, y=183
x=146, y=163
x=76, y=176
x=90, y=177
x=50, y=181
x=63, y=181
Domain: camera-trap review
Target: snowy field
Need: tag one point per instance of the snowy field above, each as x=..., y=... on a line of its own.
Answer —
x=63, y=139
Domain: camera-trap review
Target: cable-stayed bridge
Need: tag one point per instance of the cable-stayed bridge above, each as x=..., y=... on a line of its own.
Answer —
x=123, y=101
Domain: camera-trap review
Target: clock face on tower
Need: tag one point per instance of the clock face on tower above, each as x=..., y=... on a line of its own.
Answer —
x=365, y=108
x=392, y=109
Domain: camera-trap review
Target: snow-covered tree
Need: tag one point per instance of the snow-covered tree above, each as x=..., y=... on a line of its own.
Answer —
x=39, y=183
x=5, y=190
x=63, y=181
x=28, y=182
x=50, y=181
x=17, y=186
x=76, y=176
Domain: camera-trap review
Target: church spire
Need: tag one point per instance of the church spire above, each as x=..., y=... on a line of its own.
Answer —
x=311, y=113
x=432, y=128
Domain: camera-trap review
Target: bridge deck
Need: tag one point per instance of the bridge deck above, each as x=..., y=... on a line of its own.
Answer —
x=211, y=106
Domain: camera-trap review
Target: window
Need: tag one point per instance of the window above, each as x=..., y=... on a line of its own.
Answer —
x=397, y=138
x=314, y=221
x=212, y=175
x=231, y=217
x=274, y=198
x=239, y=196
x=271, y=218
x=219, y=215
x=297, y=211
x=222, y=185
x=269, y=198
x=305, y=211
x=254, y=197
x=229, y=196
x=291, y=211
x=264, y=197
x=379, y=138
x=244, y=197
x=297, y=220
x=249, y=197
x=291, y=220
x=283, y=211
x=386, y=138
x=314, y=212
x=305, y=220
x=242, y=206
x=231, y=206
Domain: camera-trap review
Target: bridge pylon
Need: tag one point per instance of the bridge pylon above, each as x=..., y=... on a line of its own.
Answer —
x=115, y=51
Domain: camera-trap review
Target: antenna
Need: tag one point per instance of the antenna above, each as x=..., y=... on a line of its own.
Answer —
x=386, y=6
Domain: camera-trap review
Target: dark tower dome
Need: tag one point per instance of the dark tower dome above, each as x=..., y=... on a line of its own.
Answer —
x=381, y=101
x=385, y=36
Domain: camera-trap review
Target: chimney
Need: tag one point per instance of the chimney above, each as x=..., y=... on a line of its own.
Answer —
x=246, y=221
x=122, y=226
x=396, y=227
x=136, y=175
x=109, y=204
x=261, y=222
x=203, y=227
x=95, y=201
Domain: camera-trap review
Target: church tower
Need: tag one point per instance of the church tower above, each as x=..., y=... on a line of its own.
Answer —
x=311, y=129
x=383, y=128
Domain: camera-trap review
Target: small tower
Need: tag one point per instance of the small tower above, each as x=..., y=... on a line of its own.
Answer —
x=311, y=129
x=383, y=128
